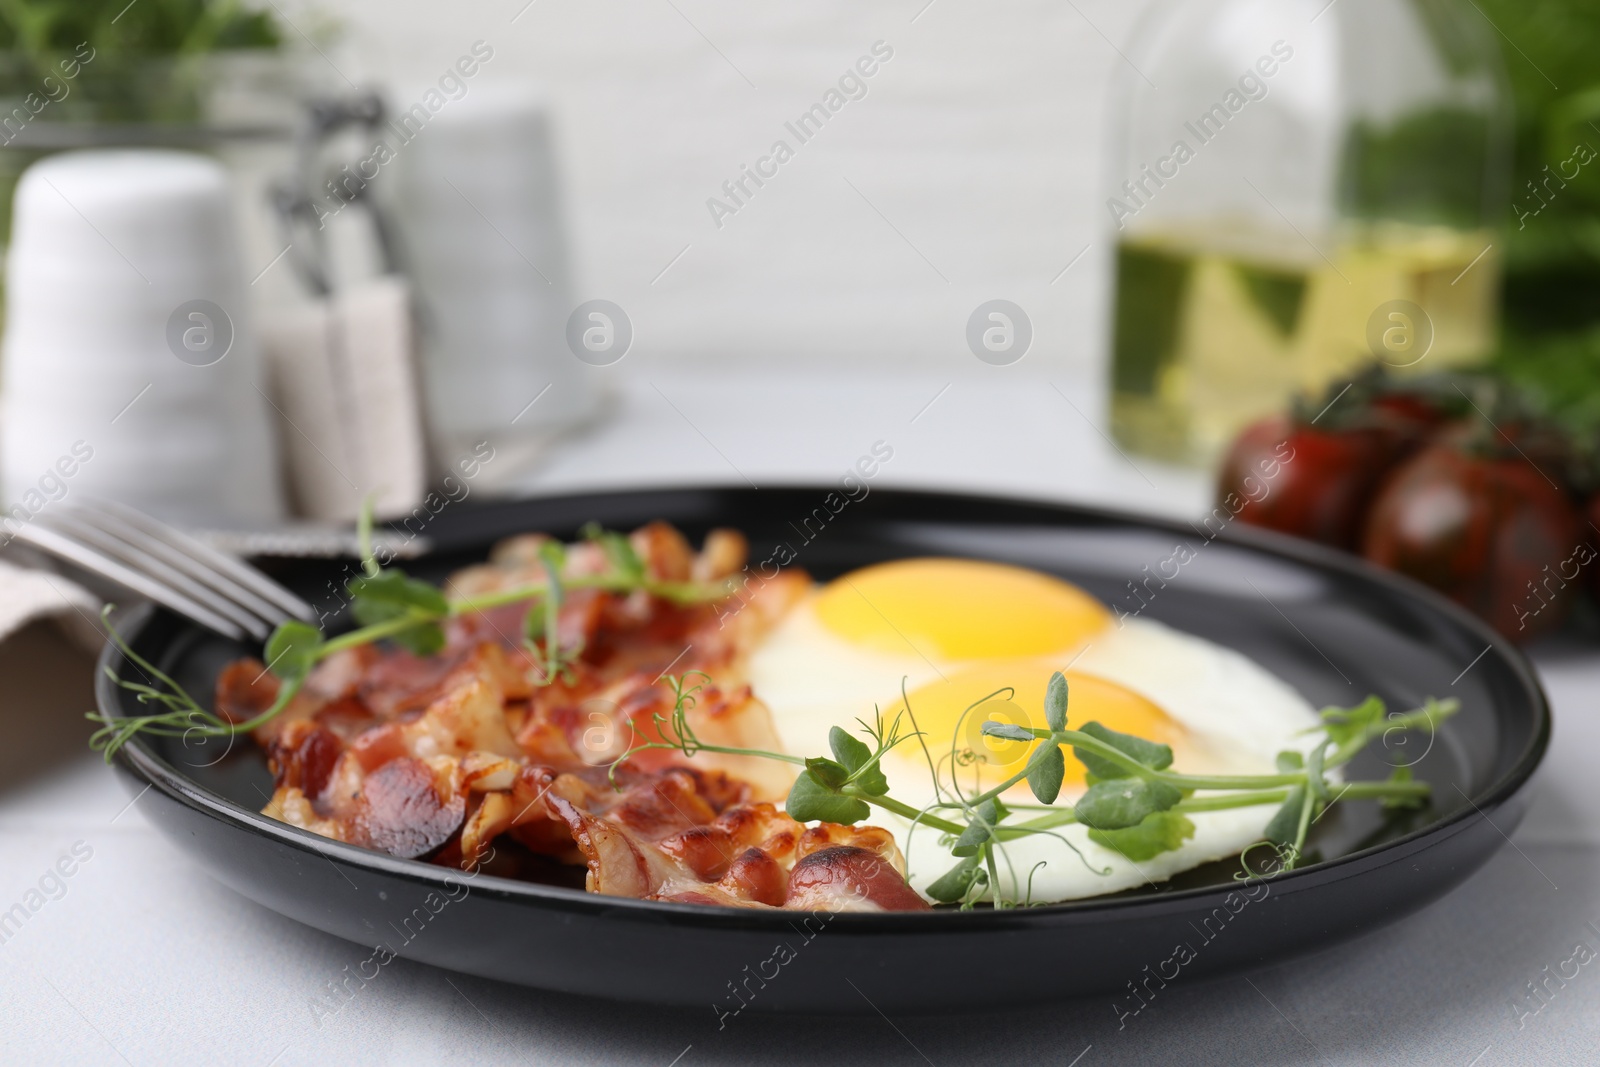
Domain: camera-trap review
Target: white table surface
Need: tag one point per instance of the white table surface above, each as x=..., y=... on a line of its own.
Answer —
x=144, y=960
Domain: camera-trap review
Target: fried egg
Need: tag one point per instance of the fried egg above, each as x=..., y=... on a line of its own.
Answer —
x=930, y=638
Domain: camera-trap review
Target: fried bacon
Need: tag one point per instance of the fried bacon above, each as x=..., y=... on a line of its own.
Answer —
x=438, y=758
x=683, y=834
x=407, y=810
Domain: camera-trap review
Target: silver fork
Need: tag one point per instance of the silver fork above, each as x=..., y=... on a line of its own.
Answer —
x=142, y=554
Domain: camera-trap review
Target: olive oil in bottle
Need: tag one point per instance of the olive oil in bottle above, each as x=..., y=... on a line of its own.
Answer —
x=1213, y=329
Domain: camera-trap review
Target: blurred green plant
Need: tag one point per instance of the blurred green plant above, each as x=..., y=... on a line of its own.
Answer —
x=119, y=61
x=46, y=29
x=1426, y=168
x=1557, y=375
x=1551, y=337
x=1553, y=223
x=109, y=62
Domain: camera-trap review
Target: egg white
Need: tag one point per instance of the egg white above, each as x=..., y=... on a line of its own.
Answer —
x=1238, y=717
x=1223, y=698
x=813, y=680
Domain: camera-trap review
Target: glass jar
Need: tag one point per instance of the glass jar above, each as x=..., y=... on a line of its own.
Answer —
x=1299, y=188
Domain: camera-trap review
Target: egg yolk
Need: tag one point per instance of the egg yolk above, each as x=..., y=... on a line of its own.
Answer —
x=959, y=609
x=938, y=708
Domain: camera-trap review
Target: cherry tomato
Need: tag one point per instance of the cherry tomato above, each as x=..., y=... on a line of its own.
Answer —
x=1409, y=415
x=1302, y=480
x=1591, y=530
x=1490, y=531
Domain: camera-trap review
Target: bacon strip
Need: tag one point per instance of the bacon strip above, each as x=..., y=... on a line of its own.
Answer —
x=438, y=758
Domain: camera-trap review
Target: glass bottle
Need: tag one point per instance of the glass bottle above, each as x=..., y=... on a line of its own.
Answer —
x=1299, y=188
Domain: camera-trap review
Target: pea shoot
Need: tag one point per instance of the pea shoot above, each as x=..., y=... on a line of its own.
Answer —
x=391, y=606
x=1135, y=804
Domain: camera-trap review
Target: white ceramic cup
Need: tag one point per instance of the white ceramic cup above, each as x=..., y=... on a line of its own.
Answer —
x=127, y=342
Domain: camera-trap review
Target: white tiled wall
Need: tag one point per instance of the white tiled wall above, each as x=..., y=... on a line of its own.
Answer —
x=970, y=171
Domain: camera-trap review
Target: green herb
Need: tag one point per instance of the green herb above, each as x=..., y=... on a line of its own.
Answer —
x=392, y=598
x=1134, y=805
x=1124, y=802
x=183, y=717
x=811, y=800
x=1046, y=774
x=1284, y=829
x=389, y=605
x=1158, y=832
x=291, y=650
x=112, y=61
x=43, y=28
x=1142, y=753
x=959, y=881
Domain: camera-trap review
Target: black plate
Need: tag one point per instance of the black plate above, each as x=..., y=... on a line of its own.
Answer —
x=1330, y=626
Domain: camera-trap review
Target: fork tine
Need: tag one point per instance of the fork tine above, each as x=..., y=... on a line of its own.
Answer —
x=63, y=547
x=235, y=569
x=149, y=565
x=125, y=531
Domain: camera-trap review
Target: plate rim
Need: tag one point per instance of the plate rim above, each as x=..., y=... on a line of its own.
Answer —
x=140, y=760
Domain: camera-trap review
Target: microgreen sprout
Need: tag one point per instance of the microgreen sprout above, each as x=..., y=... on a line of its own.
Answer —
x=390, y=605
x=183, y=716
x=1134, y=803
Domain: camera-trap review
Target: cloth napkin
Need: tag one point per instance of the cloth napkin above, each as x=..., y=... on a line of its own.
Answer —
x=28, y=594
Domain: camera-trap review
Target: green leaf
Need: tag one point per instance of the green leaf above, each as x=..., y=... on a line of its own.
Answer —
x=292, y=648
x=851, y=752
x=391, y=595
x=1344, y=725
x=1319, y=787
x=857, y=758
x=1007, y=731
x=554, y=554
x=871, y=781
x=1398, y=776
x=1156, y=757
x=1124, y=802
x=1046, y=772
x=1289, y=762
x=971, y=838
x=619, y=551
x=827, y=772
x=958, y=881
x=1055, y=702
x=811, y=801
x=1159, y=832
x=986, y=815
x=423, y=639
x=1284, y=828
